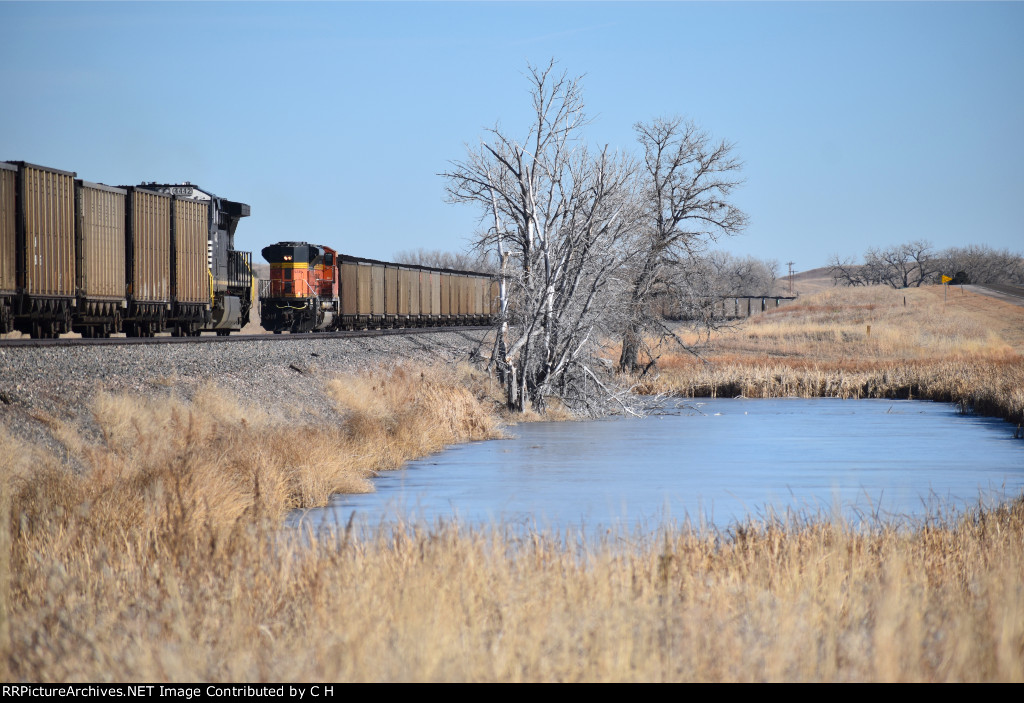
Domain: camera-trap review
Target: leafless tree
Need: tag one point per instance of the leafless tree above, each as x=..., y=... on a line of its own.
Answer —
x=921, y=252
x=461, y=261
x=847, y=272
x=901, y=266
x=743, y=275
x=687, y=180
x=558, y=218
x=889, y=266
x=982, y=264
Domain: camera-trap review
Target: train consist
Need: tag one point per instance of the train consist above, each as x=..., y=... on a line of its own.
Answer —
x=313, y=288
x=84, y=257
x=95, y=259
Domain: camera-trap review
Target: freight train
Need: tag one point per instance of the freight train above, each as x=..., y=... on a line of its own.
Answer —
x=95, y=259
x=313, y=288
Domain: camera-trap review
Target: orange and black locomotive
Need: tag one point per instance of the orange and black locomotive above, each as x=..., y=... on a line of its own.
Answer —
x=303, y=291
x=313, y=288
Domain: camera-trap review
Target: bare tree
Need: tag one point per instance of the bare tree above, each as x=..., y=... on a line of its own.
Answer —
x=558, y=218
x=982, y=264
x=847, y=272
x=435, y=258
x=900, y=266
x=746, y=275
x=920, y=251
x=687, y=181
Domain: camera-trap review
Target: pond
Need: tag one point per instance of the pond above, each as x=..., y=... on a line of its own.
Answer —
x=707, y=461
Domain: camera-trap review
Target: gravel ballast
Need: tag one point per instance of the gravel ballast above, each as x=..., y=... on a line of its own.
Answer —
x=280, y=375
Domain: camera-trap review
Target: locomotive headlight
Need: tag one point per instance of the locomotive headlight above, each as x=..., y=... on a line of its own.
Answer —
x=287, y=257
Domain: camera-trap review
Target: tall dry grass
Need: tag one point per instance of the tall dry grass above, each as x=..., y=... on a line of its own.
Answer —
x=166, y=469
x=124, y=549
x=150, y=547
x=798, y=602
x=865, y=343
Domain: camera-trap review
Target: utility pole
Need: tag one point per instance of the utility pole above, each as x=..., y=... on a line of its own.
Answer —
x=790, y=265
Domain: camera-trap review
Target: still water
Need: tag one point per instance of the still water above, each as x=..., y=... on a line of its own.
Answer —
x=711, y=462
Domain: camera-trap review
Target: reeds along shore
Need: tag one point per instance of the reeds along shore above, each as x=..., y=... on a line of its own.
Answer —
x=865, y=343
x=220, y=461
x=86, y=530
x=151, y=547
x=803, y=601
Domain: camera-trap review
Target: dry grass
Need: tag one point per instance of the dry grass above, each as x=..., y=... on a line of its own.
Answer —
x=116, y=539
x=805, y=602
x=164, y=559
x=166, y=469
x=966, y=350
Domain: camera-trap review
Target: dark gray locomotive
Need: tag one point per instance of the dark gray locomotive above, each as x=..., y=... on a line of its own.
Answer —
x=96, y=259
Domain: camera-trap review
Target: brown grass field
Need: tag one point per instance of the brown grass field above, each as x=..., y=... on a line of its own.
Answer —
x=865, y=343
x=162, y=556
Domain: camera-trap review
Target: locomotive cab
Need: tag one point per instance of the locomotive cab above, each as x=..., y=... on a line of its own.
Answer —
x=303, y=292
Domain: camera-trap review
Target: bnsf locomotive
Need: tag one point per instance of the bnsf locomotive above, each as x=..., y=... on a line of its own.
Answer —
x=313, y=288
x=90, y=258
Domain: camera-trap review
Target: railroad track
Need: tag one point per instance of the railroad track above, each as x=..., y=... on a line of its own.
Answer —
x=216, y=339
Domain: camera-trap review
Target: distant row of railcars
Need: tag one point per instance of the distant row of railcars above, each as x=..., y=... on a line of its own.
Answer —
x=313, y=288
x=99, y=260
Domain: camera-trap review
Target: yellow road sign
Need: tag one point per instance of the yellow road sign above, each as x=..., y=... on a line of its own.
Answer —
x=946, y=279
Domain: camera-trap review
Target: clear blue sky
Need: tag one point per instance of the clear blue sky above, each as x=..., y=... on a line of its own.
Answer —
x=860, y=124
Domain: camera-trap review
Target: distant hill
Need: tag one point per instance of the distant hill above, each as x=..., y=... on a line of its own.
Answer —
x=806, y=282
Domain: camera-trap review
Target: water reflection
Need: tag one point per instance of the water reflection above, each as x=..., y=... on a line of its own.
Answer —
x=709, y=461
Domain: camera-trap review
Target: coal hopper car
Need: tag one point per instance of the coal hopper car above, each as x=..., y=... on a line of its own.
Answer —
x=313, y=288
x=99, y=260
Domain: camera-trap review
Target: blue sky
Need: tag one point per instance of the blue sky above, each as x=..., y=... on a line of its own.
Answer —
x=860, y=124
